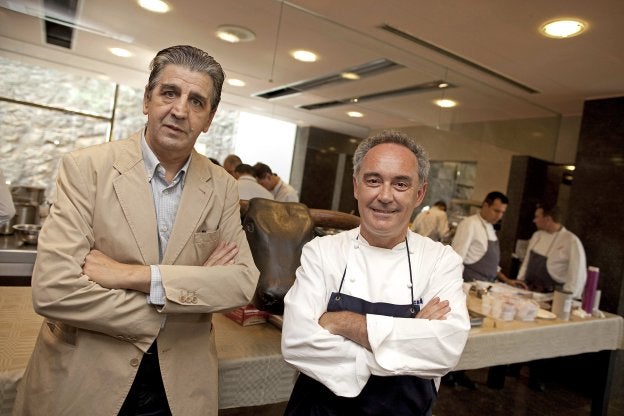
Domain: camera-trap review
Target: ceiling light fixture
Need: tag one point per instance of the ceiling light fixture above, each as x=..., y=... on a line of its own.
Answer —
x=236, y=82
x=445, y=103
x=304, y=56
x=156, y=6
x=350, y=75
x=443, y=85
x=235, y=34
x=355, y=114
x=563, y=28
x=121, y=52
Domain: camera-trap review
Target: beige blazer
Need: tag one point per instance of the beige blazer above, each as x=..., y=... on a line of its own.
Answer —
x=92, y=339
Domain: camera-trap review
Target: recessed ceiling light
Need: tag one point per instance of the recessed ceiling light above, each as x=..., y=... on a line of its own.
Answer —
x=304, y=56
x=563, y=28
x=124, y=53
x=235, y=34
x=156, y=6
x=570, y=167
x=355, y=114
x=236, y=82
x=350, y=75
x=445, y=103
x=443, y=85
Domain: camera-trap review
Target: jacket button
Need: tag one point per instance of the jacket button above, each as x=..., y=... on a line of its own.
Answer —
x=194, y=300
x=134, y=362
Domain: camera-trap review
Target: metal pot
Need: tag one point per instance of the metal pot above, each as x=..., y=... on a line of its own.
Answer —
x=26, y=213
x=28, y=194
x=6, y=228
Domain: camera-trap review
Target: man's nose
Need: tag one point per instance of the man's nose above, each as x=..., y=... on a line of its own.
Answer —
x=385, y=193
x=180, y=108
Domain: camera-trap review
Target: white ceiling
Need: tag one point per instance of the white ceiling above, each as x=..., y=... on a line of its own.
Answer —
x=500, y=36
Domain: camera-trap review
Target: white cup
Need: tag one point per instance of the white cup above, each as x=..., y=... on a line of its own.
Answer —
x=562, y=304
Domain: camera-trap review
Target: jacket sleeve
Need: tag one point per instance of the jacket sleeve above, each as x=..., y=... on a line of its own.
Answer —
x=463, y=237
x=198, y=289
x=60, y=291
x=338, y=363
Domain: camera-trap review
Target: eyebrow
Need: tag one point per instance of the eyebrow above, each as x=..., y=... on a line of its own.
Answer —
x=192, y=94
x=405, y=178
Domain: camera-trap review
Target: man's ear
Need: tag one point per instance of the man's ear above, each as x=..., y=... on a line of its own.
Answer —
x=146, y=98
x=209, y=122
x=355, y=187
x=420, y=195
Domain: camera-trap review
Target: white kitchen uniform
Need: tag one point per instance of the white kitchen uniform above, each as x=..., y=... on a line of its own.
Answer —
x=566, y=262
x=400, y=346
x=248, y=187
x=285, y=192
x=432, y=223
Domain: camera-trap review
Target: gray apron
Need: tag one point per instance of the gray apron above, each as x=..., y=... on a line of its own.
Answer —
x=487, y=267
x=389, y=395
x=537, y=277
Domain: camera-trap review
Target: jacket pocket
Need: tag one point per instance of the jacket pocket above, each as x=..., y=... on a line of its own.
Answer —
x=60, y=332
x=205, y=243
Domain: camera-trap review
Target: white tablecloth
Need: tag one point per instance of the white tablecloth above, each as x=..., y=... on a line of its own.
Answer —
x=504, y=342
x=251, y=369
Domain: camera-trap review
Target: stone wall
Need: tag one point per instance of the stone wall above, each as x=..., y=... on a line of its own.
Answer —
x=45, y=113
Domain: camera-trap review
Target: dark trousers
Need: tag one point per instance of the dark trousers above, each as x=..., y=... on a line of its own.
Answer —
x=147, y=395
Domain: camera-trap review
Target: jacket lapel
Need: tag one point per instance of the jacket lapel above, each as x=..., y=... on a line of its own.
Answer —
x=198, y=189
x=135, y=197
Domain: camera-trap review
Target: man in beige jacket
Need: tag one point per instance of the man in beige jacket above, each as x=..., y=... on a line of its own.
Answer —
x=143, y=243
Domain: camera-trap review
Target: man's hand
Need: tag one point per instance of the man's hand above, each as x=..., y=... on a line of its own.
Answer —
x=434, y=309
x=517, y=283
x=106, y=272
x=223, y=255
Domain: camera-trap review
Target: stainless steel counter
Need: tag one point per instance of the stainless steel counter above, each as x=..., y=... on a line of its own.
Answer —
x=16, y=259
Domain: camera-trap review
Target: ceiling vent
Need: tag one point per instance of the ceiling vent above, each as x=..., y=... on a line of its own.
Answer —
x=60, y=18
x=398, y=32
x=414, y=89
x=370, y=68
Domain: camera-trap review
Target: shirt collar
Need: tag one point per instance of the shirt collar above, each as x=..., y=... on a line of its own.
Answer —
x=152, y=163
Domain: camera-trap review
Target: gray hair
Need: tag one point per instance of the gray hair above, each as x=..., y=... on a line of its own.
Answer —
x=397, y=137
x=193, y=59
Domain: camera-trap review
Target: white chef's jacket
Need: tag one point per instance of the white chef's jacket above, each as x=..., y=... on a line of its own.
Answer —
x=400, y=346
x=285, y=192
x=565, y=262
x=248, y=188
x=471, y=238
x=432, y=223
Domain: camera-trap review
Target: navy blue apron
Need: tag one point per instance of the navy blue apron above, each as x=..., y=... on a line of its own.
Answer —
x=382, y=395
x=536, y=276
x=487, y=267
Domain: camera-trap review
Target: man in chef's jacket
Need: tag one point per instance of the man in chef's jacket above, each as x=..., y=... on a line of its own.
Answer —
x=555, y=256
x=376, y=314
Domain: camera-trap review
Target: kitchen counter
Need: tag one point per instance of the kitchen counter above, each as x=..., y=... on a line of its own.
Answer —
x=16, y=259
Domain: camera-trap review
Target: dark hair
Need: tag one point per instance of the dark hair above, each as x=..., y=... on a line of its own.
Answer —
x=551, y=211
x=244, y=168
x=493, y=196
x=261, y=170
x=193, y=59
x=440, y=204
x=397, y=137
